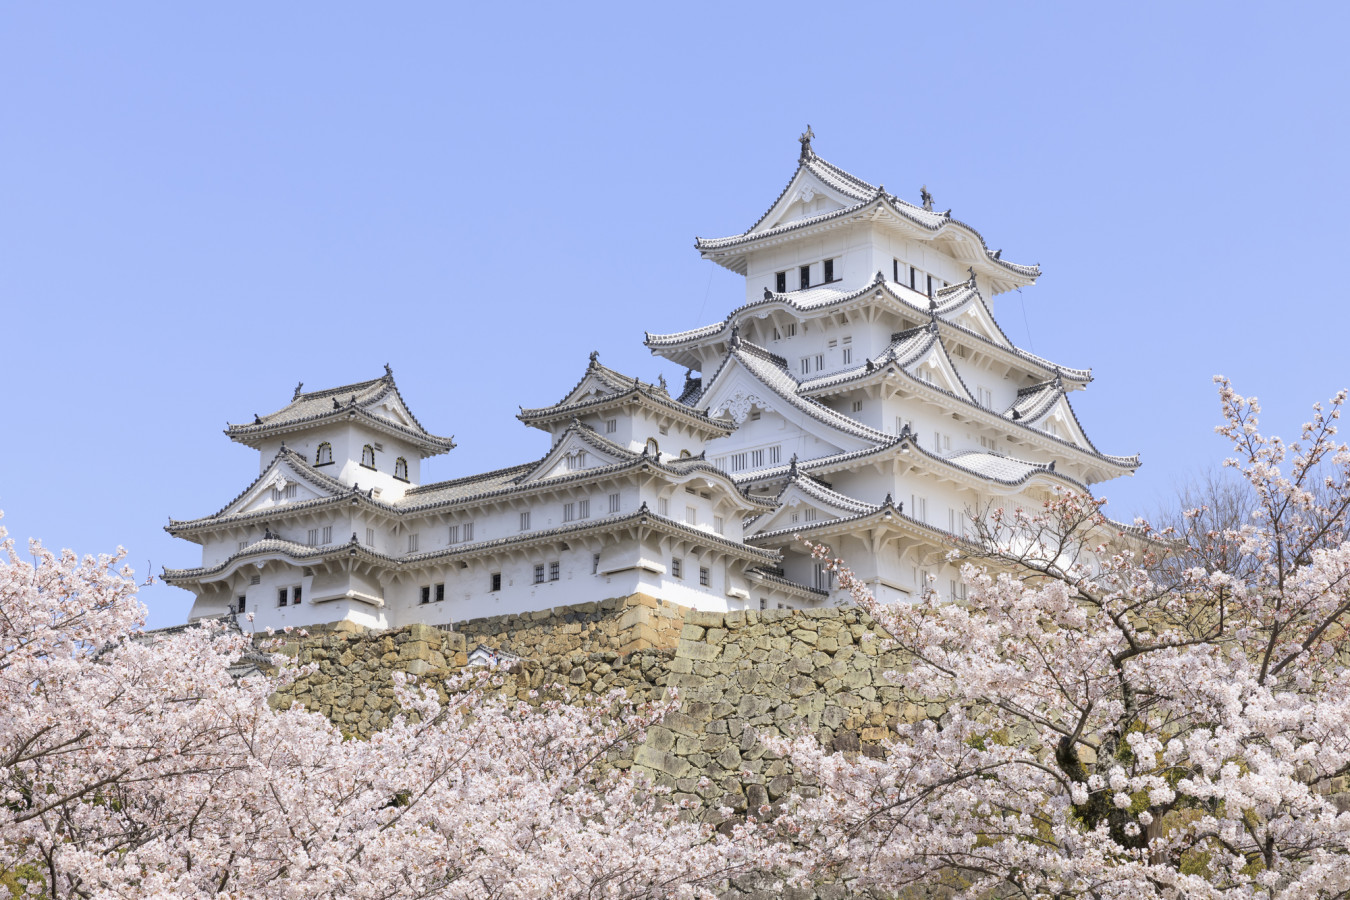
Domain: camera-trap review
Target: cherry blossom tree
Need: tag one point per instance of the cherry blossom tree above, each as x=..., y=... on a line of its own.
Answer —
x=133, y=765
x=1124, y=717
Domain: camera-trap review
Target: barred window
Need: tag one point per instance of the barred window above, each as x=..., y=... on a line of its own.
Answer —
x=324, y=456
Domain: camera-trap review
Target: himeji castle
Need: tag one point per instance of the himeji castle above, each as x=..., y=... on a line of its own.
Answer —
x=863, y=396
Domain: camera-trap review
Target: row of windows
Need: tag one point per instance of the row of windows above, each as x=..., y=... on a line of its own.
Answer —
x=804, y=276
x=283, y=493
x=750, y=459
x=914, y=278
x=578, y=509
x=677, y=571
x=368, y=459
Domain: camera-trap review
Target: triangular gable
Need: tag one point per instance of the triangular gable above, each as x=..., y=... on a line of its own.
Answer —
x=1058, y=420
x=592, y=386
x=737, y=389
x=800, y=506
x=934, y=366
x=391, y=407
x=972, y=313
x=574, y=453
x=270, y=490
x=806, y=195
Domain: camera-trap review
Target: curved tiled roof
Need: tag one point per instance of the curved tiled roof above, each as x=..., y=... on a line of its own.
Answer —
x=822, y=298
x=814, y=489
x=863, y=195
x=300, y=466
x=624, y=390
x=302, y=553
x=778, y=580
x=313, y=407
x=771, y=370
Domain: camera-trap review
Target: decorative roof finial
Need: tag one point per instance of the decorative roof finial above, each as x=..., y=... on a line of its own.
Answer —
x=768, y=294
x=888, y=501
x=336, y=404
x=926, y=197
x=870, y=365
x=257, y=419
x=388, y=372
x=807, y=152
x=735, y=337
x=595, y=355
x=1051, y=467
x=971, y=270
x=298, y=388
x=998, y=254
x=661, y=382
x=1017, y=414
x=792, y=467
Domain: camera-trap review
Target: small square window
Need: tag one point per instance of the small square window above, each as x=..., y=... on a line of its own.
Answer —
x=857, y=405
x=554, y=570
x=440, y=592
x=677, y=568
x=539, y=574
x=704, y=578
x=426, y=594
x=495, y=582
x=281, y=597
x=780, y=282
x=611, y=426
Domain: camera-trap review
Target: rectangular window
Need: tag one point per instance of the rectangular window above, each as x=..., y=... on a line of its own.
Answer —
x=677, y=568
x=611, y=426
x=370, y=537
x=847, y=356
x=539, y=574
x=704, y=577
x=664, y=429
x=495, y=582
x=776, y=335
x=313, y=539
x=918, y=507
x=912, y=274
x=584, y=508
x=790, y=329
x=804, y=276
x=468, y=531
x=413, y=540
x=780, y=282
x=820, y=361
x=829, y=271
x=554, y=569
x=857, y=406
x=808, y=514
x=569, y=511
x=717, y=525
x=806, y=365
x=737, y=462
x=834, y=342
x=595, y=563
x=327, y=536
x=243, y=544
x=775, y=455
x=613, y=503
x=662, y=506
x=895, y=270
x=525, y=521
x=454, y=534
x=426, y=594
x=824, y=578
x=756, y=459
x=440, y=592
x=241, y=603
x=281, y=597
x=930, y=285
x=690, y=515
x=255, y=579
x=295, y=595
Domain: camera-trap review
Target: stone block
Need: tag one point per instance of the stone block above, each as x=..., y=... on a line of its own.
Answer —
x=664, y=762
x=692, y=632
x=705, y=619
x=696, y=650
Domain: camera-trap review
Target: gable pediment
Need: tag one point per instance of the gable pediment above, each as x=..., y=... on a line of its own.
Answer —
x=1059, y=421
x=801, y=506
x=592, y=386
x=281, y=485
x=806, y=196
x=935, y=367
x=573, y=454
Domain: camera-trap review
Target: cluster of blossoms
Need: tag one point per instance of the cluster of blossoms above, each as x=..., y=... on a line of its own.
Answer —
x=134, y=765
x=1124, y=717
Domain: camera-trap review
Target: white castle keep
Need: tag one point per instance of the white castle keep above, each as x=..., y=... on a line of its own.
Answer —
x=863, y=396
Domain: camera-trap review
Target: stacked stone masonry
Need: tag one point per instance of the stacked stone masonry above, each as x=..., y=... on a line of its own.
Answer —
x=740, y=675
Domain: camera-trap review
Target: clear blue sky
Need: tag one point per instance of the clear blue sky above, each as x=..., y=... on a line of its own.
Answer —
x=201, y=205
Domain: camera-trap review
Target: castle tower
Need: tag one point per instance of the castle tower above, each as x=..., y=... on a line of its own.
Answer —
x=873, y=394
